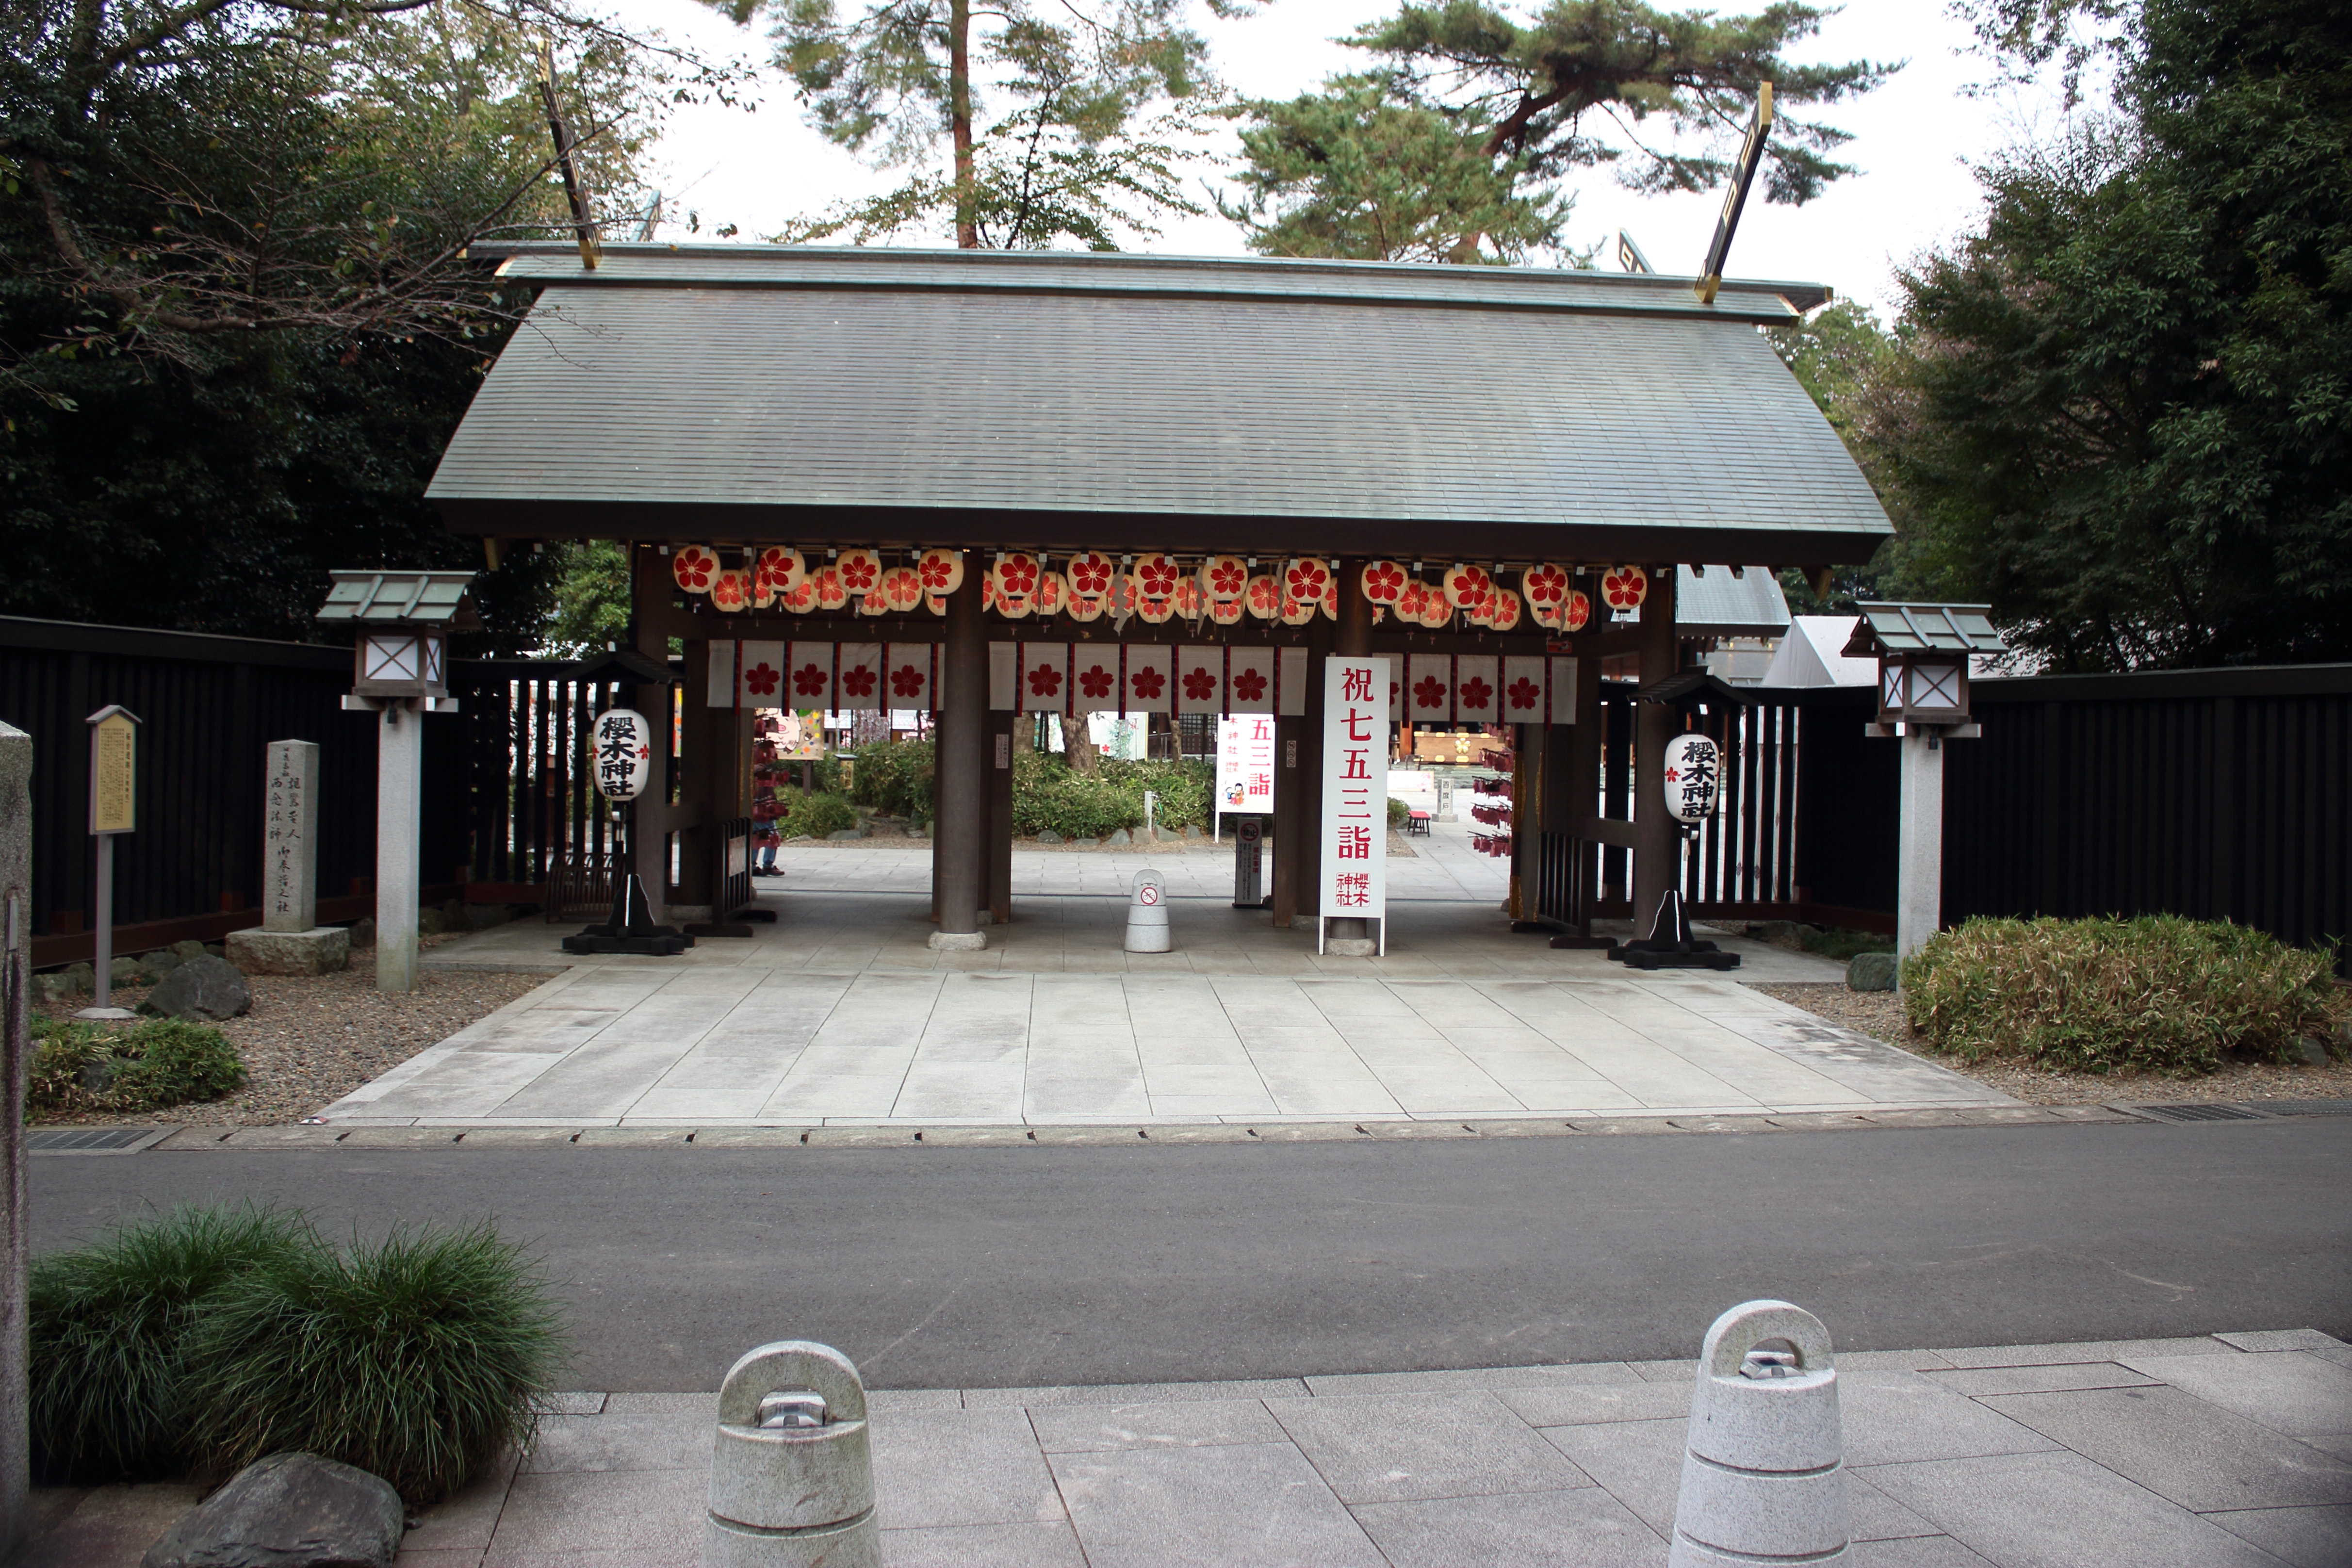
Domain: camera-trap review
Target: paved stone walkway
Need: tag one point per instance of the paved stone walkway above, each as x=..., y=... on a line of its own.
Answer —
x=840, y=1012
x=2222, y=1452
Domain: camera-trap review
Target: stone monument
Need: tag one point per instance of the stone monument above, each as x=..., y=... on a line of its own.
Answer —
x=290, y=940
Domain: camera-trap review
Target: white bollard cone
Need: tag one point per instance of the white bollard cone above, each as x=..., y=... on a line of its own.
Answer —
x=1147, y=914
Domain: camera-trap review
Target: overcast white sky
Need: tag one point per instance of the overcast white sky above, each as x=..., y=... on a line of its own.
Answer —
x=1913, y=140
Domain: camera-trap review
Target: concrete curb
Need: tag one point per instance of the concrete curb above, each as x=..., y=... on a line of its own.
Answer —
x=1150, y=1134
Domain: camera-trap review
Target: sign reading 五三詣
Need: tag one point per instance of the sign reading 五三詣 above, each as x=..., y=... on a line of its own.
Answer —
x=625, y=751
x=1245, y=764
x=1694, y=776
x=1355, y=843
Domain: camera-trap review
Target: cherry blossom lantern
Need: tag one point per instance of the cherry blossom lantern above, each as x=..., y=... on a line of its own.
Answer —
x=941, y=572
x=1623, y=588
x=1225, y=578
x=861, y=572
x=1089, y=576
x=1382, y=582
x=693, y=567
x=1263, y=597
x=730, y=591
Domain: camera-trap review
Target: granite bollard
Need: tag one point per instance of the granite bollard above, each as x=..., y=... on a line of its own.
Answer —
x=791, y=1479
x=1146, y=913
x=1764, y=1465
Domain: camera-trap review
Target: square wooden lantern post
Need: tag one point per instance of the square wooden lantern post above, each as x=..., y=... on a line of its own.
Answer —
x=1923, y=653
x=401, y=667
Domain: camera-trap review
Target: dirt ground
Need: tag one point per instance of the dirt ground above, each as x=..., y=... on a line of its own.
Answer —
x=1879, y=1013
x=312, y=1038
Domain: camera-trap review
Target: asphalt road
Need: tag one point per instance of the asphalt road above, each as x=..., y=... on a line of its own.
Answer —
x=974, y=1267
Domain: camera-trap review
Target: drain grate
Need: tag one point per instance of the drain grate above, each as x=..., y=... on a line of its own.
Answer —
x=2199, y=1110
x=2308, y=1107
x=86, y=1140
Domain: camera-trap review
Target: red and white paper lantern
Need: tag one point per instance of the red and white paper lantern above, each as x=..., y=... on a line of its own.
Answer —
x=1466, y=583
x=1625, y=587
x=1090, y=574
x=694, y=567
x=1383, y=582
x=1576, y=611
x=861, y=572
x=1264, y=597
x=830, y=593
x=1225, y=578
x=1018, y=576
x=1155, y=574
x=941, y=570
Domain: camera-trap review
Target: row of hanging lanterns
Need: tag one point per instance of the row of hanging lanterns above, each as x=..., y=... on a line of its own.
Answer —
x=1153, y=587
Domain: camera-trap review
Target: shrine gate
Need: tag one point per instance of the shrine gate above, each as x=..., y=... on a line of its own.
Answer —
x=996, y=483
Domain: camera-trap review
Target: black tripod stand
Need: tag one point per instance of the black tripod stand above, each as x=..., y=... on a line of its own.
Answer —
x=630, y=927
x=1670, y=944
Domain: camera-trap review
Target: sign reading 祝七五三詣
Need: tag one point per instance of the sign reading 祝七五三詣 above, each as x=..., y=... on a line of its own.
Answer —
x=624, y=754
x=1353, y=852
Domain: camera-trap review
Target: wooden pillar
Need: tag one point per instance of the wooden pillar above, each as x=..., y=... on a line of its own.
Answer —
x=651, y=591
x=1572, y=791
x=1656, y=842
x=959, y=830
x=1306, y=863
x=702, y=764
x=1288, y=831
x=1526, y=814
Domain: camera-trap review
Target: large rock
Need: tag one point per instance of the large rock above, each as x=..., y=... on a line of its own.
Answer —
x=207, y=988
x=289, y=1510
x=320, y=951
x=1869, y=972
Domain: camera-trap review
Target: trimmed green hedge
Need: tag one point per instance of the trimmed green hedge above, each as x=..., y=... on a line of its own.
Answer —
x=814, y=816
x=2158, y=993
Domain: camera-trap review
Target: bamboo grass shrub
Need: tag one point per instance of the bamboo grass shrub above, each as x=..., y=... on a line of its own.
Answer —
x=2156, y=994
x=153, y=1064
x=110, y=1325
x=418, y=1359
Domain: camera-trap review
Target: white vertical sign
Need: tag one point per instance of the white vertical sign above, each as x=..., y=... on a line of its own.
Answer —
x=1245, y=765
x=1355, y=842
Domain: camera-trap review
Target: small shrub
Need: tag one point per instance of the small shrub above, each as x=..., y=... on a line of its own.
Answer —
x=418, y=1359
x=1399, y=813
x=814, y=816
x=1842, y=945
x=108, y=1327
x=2156, y=994
x=894, y=779
x=150, y=1065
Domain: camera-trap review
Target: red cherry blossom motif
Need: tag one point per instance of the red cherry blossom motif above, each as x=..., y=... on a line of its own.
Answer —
x=830, y=593
x=1249, y=686
x=988, y=589
x=1383, y=582
x=1147, y=683
x=907, y=680
x=1265, y=597
x=693, y=567
x=1544, y=583
x=731, y=589
x=1411, y=594
x=809, y=680
x=1096, y=681
x=1466, y=584
x=1079, y=609
x=1305, y=579
x=860, y=570
x=941, y=570
x=1121, y=597
x=902, y=587
x=1502, y=609
x=1477, y=694
x=1090, y=574
x=1625, y=587
x=1188, y=599
x=1437, y=610
x=1224, y=576
x=800, y=601
x=1227, y=612
x=858, y=682
x=1297, y=611
x=1429, y=692
x=1155, y=611
x=1524, y=693
x=1155, y=576
x=762, y=678
x=1045, y=681
x=1016, y=576
x=1198, y=684
x=1577, y=611
x=785, y=567
x=1050, y=593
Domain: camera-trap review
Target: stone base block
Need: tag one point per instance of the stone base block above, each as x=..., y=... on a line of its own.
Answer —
x=959, y=941
x=1351, y=947
x=319, y=952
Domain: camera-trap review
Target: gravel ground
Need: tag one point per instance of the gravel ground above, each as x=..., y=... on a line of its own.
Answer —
x=1879, y=1013
x=311, y=1039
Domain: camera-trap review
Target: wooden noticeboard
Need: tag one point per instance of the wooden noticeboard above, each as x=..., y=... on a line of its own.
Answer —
x=113, y=771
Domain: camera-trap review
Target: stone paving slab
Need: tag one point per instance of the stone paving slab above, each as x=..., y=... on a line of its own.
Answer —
x=840, y=1014
x=1574, y=1464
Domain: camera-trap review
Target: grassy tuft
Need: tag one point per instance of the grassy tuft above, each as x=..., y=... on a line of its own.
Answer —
x=110, y=1324
x=2156, y=994
x=417, y=1359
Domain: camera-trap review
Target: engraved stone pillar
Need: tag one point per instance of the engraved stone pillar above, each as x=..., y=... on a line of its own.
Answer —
x=290, y=940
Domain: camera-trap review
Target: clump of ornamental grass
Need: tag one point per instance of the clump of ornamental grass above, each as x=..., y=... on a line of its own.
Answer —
x=2158, y=993
x=418, y=1359
x=110, y=1325
x=153, y=1064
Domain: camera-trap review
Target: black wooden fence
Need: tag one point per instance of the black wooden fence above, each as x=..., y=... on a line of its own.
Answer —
x=2218, y=793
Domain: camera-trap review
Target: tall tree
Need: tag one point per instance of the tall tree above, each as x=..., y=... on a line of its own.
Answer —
x=236, y=332
x=2119, y=409
x=1093, y=101
x=1582, y=84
